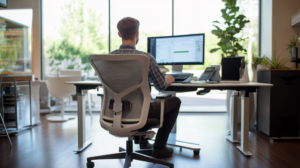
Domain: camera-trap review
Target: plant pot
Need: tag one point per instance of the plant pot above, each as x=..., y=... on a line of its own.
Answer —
x=294, y=54
x=254, y=77
x=245, y=76
x=260, y=67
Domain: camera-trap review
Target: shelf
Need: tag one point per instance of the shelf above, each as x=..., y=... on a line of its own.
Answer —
x=9, y=95
x=9, y=99
x=10, y=124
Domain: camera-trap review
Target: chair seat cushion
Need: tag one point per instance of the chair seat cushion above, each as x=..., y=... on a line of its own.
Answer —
x=151, y=122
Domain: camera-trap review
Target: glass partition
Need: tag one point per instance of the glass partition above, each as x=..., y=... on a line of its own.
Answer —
x=15, y=41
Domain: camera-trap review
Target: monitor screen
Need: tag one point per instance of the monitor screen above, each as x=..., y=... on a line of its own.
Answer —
x=3, y=3
x=177, y=50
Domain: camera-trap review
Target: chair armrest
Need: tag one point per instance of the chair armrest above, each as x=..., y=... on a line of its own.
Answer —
x=100, y=94
x=163, y=96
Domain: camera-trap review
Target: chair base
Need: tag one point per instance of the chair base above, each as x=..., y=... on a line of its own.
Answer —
x=58, y=118
x=129, y=156
x=128, y=159
x=186, y=145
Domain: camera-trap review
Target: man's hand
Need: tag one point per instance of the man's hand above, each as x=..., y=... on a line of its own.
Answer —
x=169, y=79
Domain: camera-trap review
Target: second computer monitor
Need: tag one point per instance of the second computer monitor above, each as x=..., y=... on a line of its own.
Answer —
x=177, y=50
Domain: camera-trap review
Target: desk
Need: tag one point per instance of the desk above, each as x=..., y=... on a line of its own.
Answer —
x=177, y=87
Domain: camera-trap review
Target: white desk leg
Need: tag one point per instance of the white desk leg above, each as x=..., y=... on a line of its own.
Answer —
x=82, y=143
x=234, y=119
x=173, y=93
x=89, y=103
x=244, y=148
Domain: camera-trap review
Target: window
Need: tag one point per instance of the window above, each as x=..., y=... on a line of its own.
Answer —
x=74, y=29
x=155, y=19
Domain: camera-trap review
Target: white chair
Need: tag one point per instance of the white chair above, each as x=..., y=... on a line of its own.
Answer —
x=73, y=72
x=57, y=88
x=69, y=72
x=126, y=104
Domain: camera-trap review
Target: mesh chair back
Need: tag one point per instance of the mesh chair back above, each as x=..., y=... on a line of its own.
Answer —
x=125, y=81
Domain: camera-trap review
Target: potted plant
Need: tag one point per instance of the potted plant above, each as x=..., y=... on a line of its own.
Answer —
x=230, y=37
x=276, y=63
x=292, y=47
x=234, y=23
x=228, y=32
x=258, y=63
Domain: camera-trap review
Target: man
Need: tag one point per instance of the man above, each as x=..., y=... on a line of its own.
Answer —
x=129, y=32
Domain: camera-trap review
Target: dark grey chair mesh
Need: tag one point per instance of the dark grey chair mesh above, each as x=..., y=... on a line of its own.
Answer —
x=110, y=71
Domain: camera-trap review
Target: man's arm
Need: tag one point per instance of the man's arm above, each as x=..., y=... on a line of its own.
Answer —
x=170, y=79
x=160, y=81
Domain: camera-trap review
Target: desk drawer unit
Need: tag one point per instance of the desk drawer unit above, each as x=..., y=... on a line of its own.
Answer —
x=278, y=110
x=16, y=104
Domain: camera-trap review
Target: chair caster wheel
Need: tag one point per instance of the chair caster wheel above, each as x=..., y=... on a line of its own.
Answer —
x=90, y=165
x=196, y=152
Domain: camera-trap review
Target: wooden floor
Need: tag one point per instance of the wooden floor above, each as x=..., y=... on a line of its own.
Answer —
x=51, y=145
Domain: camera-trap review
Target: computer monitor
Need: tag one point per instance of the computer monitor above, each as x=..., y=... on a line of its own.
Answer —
x=177, y=50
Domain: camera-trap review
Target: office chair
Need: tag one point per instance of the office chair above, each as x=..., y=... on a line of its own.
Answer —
x=74, y=72
x=2, y=120
x=126, y=104
x=57, y=88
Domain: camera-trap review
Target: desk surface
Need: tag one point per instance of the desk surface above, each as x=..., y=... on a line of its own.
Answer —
x=221, y=84
x=17, y=77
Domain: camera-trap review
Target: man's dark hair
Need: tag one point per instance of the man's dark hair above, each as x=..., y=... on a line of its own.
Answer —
x=127, y=27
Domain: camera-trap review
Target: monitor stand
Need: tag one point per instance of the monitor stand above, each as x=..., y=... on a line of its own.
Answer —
x=177, y=68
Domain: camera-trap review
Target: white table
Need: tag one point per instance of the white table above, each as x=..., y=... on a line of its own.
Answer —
x=178, y=87
x=80, y=87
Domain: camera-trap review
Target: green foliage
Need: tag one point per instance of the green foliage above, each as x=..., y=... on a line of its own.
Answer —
x=229, y=43
x=276, y=63
x=258, y=60
x=80, y=36
x=293, y=43
x=10, y=49
x=264, y=61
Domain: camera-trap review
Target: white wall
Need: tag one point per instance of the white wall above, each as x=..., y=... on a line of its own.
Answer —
x=36, y=39
x=266, y=27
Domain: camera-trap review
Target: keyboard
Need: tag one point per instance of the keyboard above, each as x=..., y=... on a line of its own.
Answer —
x=182, y=77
